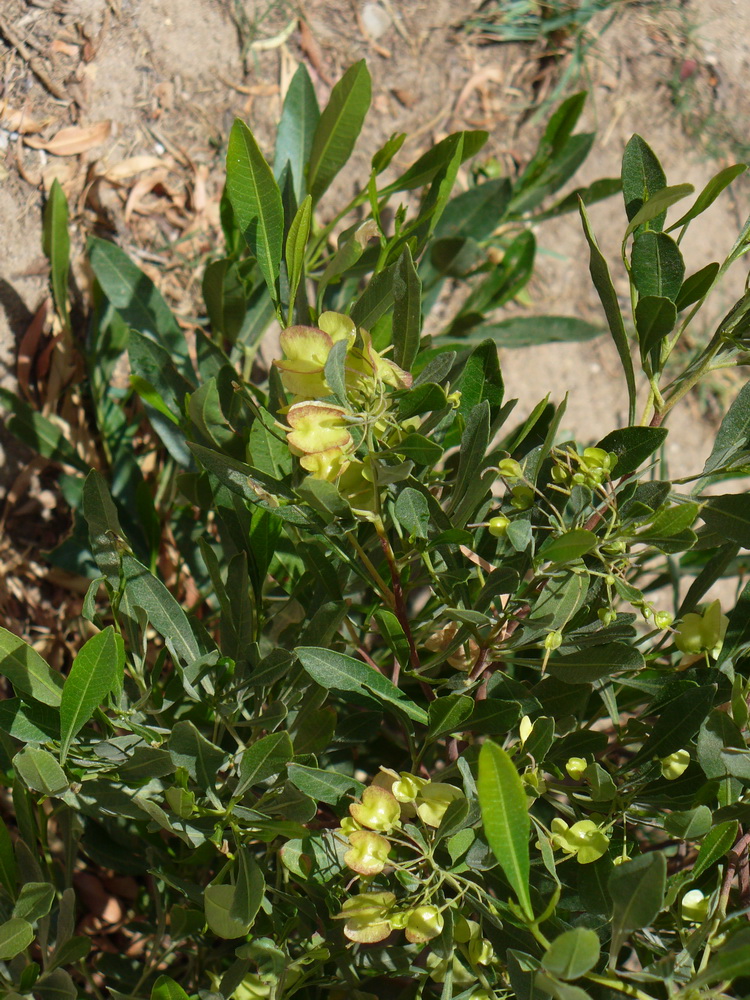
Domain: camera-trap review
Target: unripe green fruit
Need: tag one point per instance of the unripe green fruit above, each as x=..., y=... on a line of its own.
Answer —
x=498, y=526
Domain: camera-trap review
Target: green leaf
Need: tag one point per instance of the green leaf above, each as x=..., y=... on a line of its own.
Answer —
x=167, y=989
x=689, y=824
x=710, y=193
x=294, y=138
x=608, y=296
x=430, y=163
x=421, y=399
x=35, y=430
x=670, y=521
x=475, y=213
x=337, y=672
x=219, y=901
x=697, y=286
x=633, y=445
x=201, y=759
x=505, y=817
x=323, y=786
x=393, y=633
x=481, y=379
x=56, y=243
x=15, y=935
x=419, y=449
x=34, y=901
x=256, y=201
x=144, y=590
x=337, y=130
x=447, y=714
x=717, y=842
x=94, y=673
x=296, y=242
x=39, y=771
x=375, y=300
x=474, y=440
x=642, y=177
x=588, y=665
x=729, y=516
x=677, y=722
x=655, y=207
x=250, y=888
x=412, y=512
x=637, y=891
x=737, y=637
x=152, y=363
x=657, y=265
x=138, y=301
x=731, y=962
x=407, y=311
x=383, y=157
x=262, y=759
x=7, y=861
x=526, y=331
x=572, y=953
x=733, y=437
x=27, y=671
x=655, y=318
x=571, y=545
x=104, y=527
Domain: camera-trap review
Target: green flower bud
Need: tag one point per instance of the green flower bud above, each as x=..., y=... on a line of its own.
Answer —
x=576, y=766
x=367, y=916
x=584, y=839
x=675, y=764
x=378, y=810
x=702, y=633
x=694, y=906
x=535, y=783
x=423, y=923
x=498, y=526
x=407, y=787
x=663, y=619
x=560, y=474
x=522, y=497
x=606, y=615
x=433, y=801
x=553, y=640
x=510, y=469
x=464, y=930
x=349, y=825
x=368, y=854
x=481, y=951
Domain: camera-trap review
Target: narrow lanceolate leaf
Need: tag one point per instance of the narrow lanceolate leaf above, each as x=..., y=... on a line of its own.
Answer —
x=296, y=241
x=299, y=119
x=38, y=432
x=637, y=892
x=338, y=128
x=337, y=672
x=608, y=297
x=90, y=680
x=56, y=240
x=256, y=201
x=505, y=816
x=407, y=311
x=27, y=671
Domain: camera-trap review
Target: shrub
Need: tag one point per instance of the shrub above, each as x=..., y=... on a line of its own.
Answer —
x=426, y=726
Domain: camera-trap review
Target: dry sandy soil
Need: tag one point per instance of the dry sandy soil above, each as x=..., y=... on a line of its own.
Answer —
x=152, y=86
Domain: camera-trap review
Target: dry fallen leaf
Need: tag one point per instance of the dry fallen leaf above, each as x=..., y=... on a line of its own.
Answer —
x=74, y=139
x=133, y=165
x=19, y=120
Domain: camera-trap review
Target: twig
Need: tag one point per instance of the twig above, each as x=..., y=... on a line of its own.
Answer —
x=34, y=62
x=735, y=858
